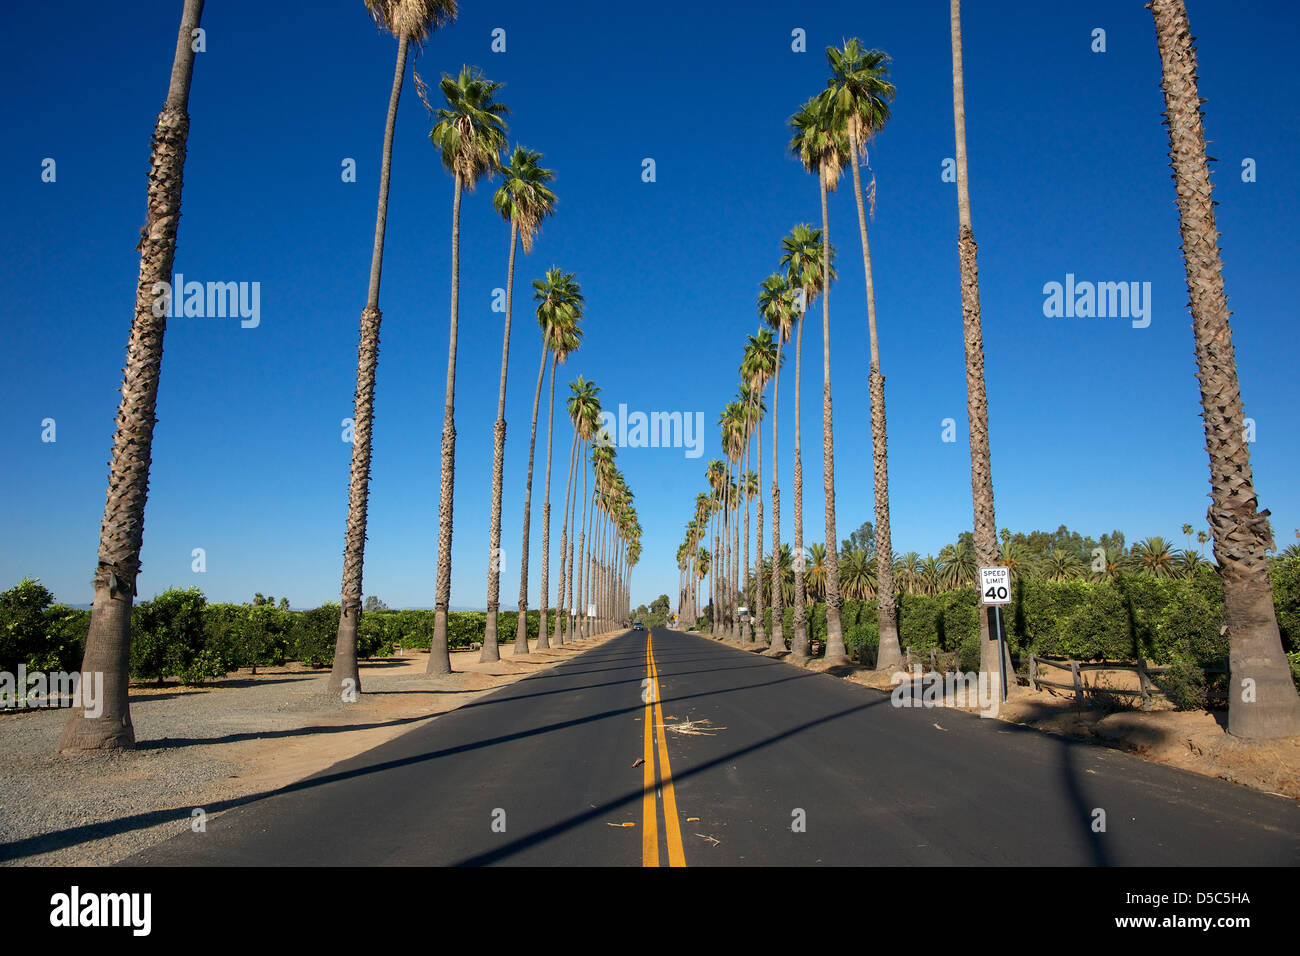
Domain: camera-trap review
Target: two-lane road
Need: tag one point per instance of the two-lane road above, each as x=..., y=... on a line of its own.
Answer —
x=673, y=749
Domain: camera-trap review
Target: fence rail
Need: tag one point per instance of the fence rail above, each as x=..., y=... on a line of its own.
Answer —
x=1146, y=689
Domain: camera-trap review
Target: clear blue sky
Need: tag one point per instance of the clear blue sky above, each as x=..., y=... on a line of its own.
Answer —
x=1094, y=423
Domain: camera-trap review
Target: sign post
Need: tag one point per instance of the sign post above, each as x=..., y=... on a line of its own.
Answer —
x=995, y=591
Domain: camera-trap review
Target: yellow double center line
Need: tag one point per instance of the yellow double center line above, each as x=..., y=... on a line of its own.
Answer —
x=654, y=726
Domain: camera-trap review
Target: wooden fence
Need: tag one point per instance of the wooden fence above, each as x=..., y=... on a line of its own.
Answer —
x=1146, y=689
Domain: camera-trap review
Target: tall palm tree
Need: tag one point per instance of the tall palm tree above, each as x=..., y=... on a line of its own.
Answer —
x=564, y=339
x=822, y=146
x=861, y=91
x=523, y=200
x=733, y=440
x=559, y=314
x=977, y=405
x=1262, y=702
x=469, y=135
x=751, y=487
x=561, y=601
x=409, y=22
x=809, y=262
x=108, y=642
x=757, y=369
x=584, y=411
x=777, y=307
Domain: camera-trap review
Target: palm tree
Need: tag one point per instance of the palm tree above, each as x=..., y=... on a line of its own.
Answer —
x=930, y=577
x=1061, y=564
x=1113, y=563
x=1187, y=563
x=470, y=135
x=960, y=566
x=821, y=144
x=758, y=367
x=584, y=411
x=809, y=262
x=1201, y=538
x=563, y=339
x=816, y=577
x=1155, y=557
x=559, y=314
x=1263, y=702
x=861, y=92
x=561, y=600
x=409, y=22
x=750, y=488
x=733, y=440
x=776, y=306
x=523, y=200
x=1015, y=558
x=977, y=405
x=108, y=642
x=858, y=574
x=908, y=568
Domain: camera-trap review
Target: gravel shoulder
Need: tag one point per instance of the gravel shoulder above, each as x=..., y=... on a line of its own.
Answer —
x=207, y=748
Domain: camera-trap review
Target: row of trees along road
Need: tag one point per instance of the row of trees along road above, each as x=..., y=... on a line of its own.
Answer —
x=831, y=130
x=470, y=134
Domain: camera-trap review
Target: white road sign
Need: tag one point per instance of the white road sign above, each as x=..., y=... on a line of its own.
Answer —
x=995, y=585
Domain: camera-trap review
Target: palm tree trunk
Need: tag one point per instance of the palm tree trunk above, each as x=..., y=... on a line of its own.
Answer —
x=760, y=632
x=344, y=675
x=571, y=604
x=560, y=602
x=542, y=641
x=799, y=648
x=834, y=653
x=490, y=651
x=121, y=534
x=778, y=608
x=580, y=609
x=977, y=409
x=528, y=501
x=736, y=630
x=745, y=627
x=1262, y=699
x=439, y=659
x=890, y=653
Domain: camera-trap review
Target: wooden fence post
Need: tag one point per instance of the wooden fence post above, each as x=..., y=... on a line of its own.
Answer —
x=1078, y=684
x=1144, y=683
x=1033, y=671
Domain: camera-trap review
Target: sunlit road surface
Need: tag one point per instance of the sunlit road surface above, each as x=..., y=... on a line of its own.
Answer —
x=667, y=749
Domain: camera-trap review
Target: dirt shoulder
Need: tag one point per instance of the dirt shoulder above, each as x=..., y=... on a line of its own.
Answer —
x=1190, y=740
x=205, y=747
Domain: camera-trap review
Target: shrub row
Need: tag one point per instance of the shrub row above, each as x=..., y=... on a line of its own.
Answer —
x=179, y=634
x=1164, y=620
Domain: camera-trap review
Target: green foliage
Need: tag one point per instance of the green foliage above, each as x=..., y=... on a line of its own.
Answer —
x=169, y=637
x=1184, y=684
x=314, y=633
x=861, y=626
x=1285, y=575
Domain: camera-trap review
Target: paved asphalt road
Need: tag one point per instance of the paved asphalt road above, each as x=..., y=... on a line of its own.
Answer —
x=544, y=772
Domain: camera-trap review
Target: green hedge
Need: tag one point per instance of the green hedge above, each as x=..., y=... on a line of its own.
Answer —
x=178, y=634
x=1165, y=620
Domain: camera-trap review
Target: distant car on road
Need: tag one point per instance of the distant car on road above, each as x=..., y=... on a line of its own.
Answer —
x=638, y=626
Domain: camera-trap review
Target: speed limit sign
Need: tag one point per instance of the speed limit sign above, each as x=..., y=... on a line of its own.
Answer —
x=995, y=585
